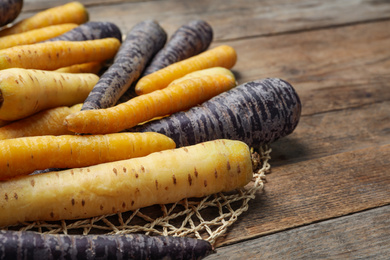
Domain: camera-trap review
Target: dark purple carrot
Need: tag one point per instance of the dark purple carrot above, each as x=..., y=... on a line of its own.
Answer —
x=189, y=40
x=141, y=43
x=91, y=31
x=257, y=112
x=33, y=245
x=47, y=170
x=9, y=10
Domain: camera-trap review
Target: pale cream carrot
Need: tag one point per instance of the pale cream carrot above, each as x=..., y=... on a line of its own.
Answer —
x=158, y=178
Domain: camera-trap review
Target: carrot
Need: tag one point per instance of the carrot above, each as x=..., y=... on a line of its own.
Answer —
x=257, y=112
x=73, y=12
x=46, y=122
x=222, y=56
x=37, y=246
x=91, y=31
x=202, y=73
x=57, y=54
x=90, y=67
x=21, y=156
x=35, y=35
x=158, y=178
x=141, y=43
x=25, y=92
x=4, y=123
x=9, y=11
x=174, y=98
x=189, y=40
x=197, y=73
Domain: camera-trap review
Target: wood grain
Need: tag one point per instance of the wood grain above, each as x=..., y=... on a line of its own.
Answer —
x=328, y=192
x=232, y=19
x=315, y=190
x=363, y=235
x=331, y=69
x=38, y=5
x=334, y=132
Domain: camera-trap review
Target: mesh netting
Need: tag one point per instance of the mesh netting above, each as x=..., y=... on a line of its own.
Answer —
x=206, y=218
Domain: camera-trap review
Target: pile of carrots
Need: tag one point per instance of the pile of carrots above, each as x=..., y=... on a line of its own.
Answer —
x=46, y=103
x=68, y=103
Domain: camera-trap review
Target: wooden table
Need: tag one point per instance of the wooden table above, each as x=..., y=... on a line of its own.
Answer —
x=328, y=193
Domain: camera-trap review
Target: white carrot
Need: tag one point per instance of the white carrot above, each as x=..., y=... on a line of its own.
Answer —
x=158, y=178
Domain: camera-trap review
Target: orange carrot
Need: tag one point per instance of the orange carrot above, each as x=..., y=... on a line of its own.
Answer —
x=174, y=98
x=222, y=56
x=46, y=122
x=73, y=12
x=25, y=92
x=58, y=54
x=22, y=156
x=195, y=74
x=4, y=122
x=35, y=35
x=89, y=67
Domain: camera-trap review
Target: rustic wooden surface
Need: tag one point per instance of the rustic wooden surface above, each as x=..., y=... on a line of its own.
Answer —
x=328, y=193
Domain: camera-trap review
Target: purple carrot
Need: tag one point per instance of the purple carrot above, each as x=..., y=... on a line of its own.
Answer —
x=33, y=245
x=257, y=112
x=189, y=40
x=91, y=31
x=141, y=43
x=9, y=11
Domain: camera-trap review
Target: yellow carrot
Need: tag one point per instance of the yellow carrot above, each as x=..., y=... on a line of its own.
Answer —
x=73, y=12
x=25, y=92
x=163, y=102
x=22, y=156
x=36, y=35
x=89, y=67
x=158, y=178
x=222, y=56
x=58, y=54
x=46, y=122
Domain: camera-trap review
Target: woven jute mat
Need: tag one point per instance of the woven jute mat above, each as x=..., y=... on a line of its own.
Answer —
x=205, y=218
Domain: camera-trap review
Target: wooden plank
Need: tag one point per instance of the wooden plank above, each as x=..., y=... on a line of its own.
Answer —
x=336, y=162
x=316, y=190
x=364, y=235
x=232, y=19
x=334, y=132
x=331, y=69
x=38, y=5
